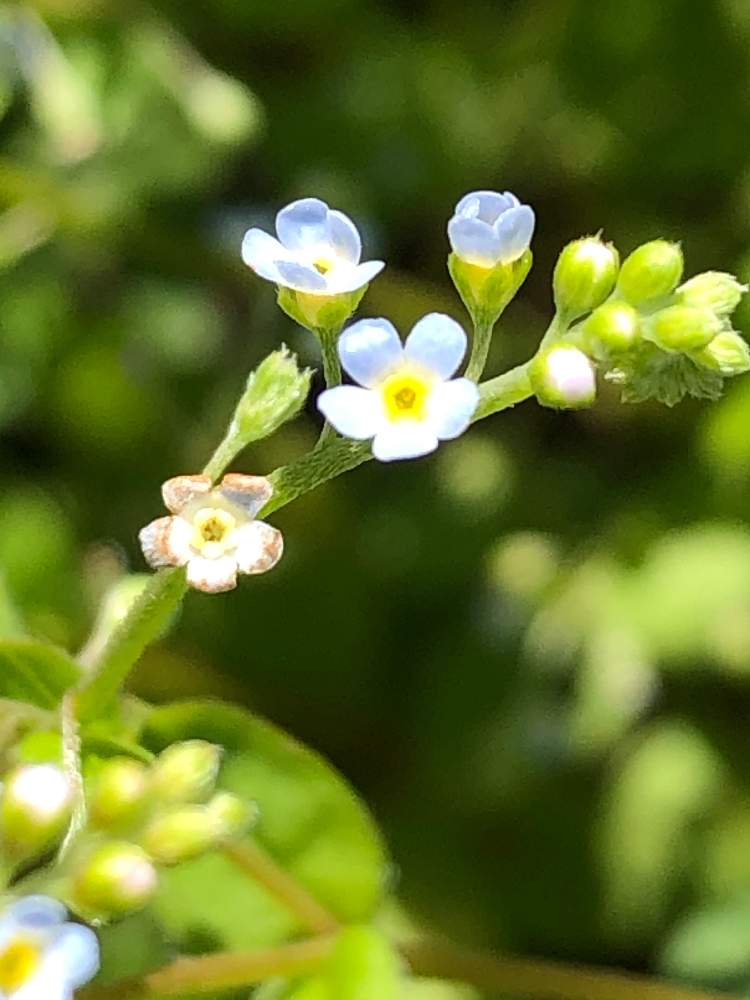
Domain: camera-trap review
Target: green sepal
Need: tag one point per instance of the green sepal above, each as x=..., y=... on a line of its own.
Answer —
x=667, y=378
x=486, y=291
x=320, y=312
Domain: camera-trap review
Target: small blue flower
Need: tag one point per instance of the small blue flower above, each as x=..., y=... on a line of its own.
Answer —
x=317, y=251
x=406, y=399
x=41, y=956
x=489, y=228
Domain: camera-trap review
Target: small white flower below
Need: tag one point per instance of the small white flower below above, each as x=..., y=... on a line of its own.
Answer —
x=41, y=956
x=406, y=399
x=317, y=251
x=489, y=228
x=213, y=531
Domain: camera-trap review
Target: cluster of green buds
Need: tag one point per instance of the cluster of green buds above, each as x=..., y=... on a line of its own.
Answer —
x=650, y=334
x=139, y=817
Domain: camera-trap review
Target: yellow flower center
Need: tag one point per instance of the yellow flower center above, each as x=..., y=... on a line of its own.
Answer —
x=213, y=530
x=323, y=265
x=405, y=396
x=19, y=960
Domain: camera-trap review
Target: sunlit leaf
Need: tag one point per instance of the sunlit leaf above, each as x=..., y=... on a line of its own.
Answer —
x=35, y=672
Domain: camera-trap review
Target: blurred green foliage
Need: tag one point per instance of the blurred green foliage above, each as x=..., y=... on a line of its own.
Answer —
x=531, y=652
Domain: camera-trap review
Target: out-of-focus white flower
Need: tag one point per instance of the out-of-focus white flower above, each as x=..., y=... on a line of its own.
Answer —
x=41, y=956
x=317, y=251
x=409, y=401
x=213, y=531
x=489, y=228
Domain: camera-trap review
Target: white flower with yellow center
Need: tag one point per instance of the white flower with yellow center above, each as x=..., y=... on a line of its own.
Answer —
x=406, y=399
x=317, y=251
x=41, y=956
x=489, y=228
x=213, y=531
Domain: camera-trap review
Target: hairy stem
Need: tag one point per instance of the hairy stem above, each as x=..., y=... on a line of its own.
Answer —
x=251, y=859
x=480, y=348
x=331, y=363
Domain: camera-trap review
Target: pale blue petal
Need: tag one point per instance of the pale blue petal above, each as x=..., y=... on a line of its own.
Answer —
x=354, y=412
x=513, y=202
x=474, y=241
x=437, y=343
x=451, y=407
x=261, y=252
x=343, y=236
x=485, y=205
x=405, y=439
x=514, y=230
x=76, y=953
x=349, y=279
x=301, y=277
x=303, y=224
x=369, y=350
x=36, y=912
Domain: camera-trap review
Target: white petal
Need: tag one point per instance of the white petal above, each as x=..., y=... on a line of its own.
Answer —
x=437, y=343
x=354, y=412
x=514, y=230
x=303, y=224
x=37, y=911
x=251, y=493
x=47, y=984
x=474, y=241
x=485, y=205
x=261, y=252
x=212, y=576
x=300, y=277
x=259, y=547
x=349, y=279
x=451, y=407
x=405, y=439
x=166, y=542
x=75, y=951
x=344, y=237
x=180, y=491
x=369, y=349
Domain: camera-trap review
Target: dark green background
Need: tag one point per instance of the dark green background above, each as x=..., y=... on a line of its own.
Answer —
x=531, y=651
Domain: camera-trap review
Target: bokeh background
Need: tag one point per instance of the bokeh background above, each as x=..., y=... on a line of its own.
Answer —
x=531, y=651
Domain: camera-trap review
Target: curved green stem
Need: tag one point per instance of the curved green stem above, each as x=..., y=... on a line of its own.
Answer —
x=329, y=350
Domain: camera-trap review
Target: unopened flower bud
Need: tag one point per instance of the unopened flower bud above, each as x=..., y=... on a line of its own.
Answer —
x=728, y=354
x=115, y=879
x=563, y=377
x=486, y=291
x=650, y=272
x=184, y=833
x=233, y=815
x=714, y=290
x=275, y=392
x=35, y=810
x=119, y=793
x=186, y=772
x=682, y=328
x=585, y=275
x=613, y=326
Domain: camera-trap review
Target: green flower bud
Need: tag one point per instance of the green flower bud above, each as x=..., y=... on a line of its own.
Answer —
x=35, y=810
x=233, y=815
x=184, y=833
x=486, y=291
x=728, y=354
x=186, y=772
x=682, y=328
x=650, y=272
x=563, y=377
x=119, y=793
x=275, y=392
x=585, y=275
x=714, y=290
x=613, y=326
x=116, y=878
x=320, y=312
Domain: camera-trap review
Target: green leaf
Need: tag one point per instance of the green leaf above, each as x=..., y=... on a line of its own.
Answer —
x=364, y=966
x=311, y=823
x=34, y=672
x=667, y=378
